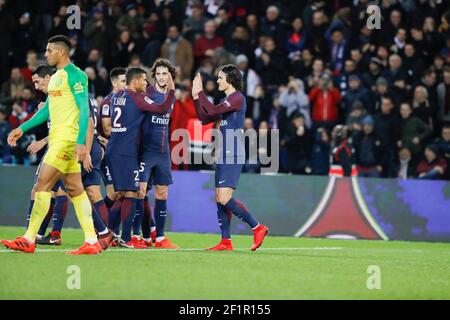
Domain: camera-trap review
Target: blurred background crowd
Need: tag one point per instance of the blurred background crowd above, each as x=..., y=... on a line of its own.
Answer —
x=377, y=100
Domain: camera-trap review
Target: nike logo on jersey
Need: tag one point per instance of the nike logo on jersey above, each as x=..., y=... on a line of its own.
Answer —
x=220, y=182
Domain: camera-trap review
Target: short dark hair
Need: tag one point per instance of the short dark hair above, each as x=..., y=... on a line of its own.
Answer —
x=233, y=76
x=116, y=72
x=160, y=62
x=43, y=70
x=61, y=39
x=133, y=73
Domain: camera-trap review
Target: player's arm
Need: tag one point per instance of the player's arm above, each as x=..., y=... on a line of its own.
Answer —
x=201, y=114
x=146, y=104
x=230, y=104
x=87, y=161
x=106, y=119
x=78, y=86
x=37, y=145
x=39, y=117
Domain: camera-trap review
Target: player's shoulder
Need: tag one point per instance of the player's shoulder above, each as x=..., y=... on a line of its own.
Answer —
x=74, y=73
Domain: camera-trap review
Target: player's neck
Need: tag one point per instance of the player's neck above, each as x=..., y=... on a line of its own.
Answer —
x=160, y=89
x=63, y=63
x=229, y=91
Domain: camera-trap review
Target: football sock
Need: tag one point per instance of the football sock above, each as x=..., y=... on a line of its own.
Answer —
x=114, y=216
x=127, y=213
x=40, y=208
x=160, y=216
x=102, y=210
x=240, y=211
x=138, y=217
x=60, y=212
x=146, y=219
x=108, y=202
x=224, y=221
x=83, y=211
x=47, y=218
x=29, y=212
x=99, y=225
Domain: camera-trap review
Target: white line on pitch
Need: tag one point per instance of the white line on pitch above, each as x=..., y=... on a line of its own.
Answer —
x=187, y=249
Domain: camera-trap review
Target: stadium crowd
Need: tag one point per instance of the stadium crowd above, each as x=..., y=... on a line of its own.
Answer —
x=339, y=92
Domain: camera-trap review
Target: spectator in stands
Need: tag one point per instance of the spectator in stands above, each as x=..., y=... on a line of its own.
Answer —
x=271, y=65
x=252, y=25
x=96, y=85
x=370, y=77
x=414, y=133
x=12, y=89
x=421, y=106
x=23, y=38
x=396, y=77
x=224, y=23
x=122, y=49
x=97, y=31
x=433, y=166
x=31, y=61
x=252, y=164
x=381, y=90
x=77, y=53
x=443, y=145
x=386, y=125
x=193, y=26
x=130, y=21
x=298, y=144
x=338, y=47
x=5, y=128
x=294, y=99
x=320, y=158
x=406, y=167
x=178, y=51
x=367, y=150
x=313, y=79
x=355, y=117
x=443, y=92
x=238, y=44
x=296, y=39
x=272, y=27
x=342, y=151
x=206, y=43
x=355, y=92
x=261, y=105
x=324, y=100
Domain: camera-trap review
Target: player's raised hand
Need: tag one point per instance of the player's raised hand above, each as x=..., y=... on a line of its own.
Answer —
x=36, y=146
x=197, y=85
x=87, y=163
x=13, y=136
x=170, y=83
x=80, y=152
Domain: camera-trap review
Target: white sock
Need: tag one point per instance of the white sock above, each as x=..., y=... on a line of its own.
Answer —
x=91, y=240
x=152, y=229
x=147, y=239
x=159, y=239
x=103, y=232
x=256, y=227
x=30, y=240
x=38, y=237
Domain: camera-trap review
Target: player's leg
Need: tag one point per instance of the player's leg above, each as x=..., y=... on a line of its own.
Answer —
x=83, y=210
x=162, y=178
x=59, y=214
x=125, y=175
x=99, y=215
x=137, y=221
x=48, y=175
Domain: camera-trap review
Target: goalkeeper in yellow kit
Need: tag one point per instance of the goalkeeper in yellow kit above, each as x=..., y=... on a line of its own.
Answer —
x=68, y=109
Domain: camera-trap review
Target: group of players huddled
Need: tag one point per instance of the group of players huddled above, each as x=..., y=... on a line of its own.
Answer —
x=125, y=145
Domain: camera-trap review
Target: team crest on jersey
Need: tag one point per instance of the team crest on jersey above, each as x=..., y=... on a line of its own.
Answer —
x=78, y=87
x=149, y=101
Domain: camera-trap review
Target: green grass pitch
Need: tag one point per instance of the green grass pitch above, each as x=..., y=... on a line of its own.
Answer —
x=283, y=268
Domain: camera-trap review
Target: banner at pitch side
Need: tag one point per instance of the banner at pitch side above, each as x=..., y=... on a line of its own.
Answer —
x=303, y=206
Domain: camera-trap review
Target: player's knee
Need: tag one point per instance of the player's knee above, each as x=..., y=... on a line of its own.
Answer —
x=93, y=195
x=222, y=198
x=161, y=192
x=43, y=185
